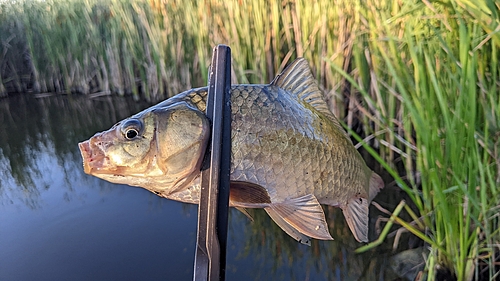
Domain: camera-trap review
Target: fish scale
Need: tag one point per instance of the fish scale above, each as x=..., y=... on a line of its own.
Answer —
x=289, y=154
x=261, y=146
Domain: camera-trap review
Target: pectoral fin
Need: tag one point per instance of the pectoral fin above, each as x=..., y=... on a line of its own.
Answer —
x=245, y=212
x=356, y=215
x=248, y=195
x=303, y=214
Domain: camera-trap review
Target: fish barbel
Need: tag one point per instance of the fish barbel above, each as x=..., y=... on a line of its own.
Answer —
x=289, y=154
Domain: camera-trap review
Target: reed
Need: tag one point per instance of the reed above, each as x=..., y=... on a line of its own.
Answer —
x=416, y=82
x=439, y=85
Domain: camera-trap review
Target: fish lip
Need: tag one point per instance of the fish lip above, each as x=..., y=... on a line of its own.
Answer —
x=92, y=156
x=84, y=147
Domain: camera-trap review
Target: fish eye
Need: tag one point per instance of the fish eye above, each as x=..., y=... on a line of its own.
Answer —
x=131, y=133
x=131, y=129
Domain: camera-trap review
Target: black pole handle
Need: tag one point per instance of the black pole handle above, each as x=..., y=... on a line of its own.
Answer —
x=210, y=257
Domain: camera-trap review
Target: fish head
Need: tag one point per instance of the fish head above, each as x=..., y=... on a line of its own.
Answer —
x=160, y=149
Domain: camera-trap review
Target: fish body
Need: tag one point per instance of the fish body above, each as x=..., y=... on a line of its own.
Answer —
x=289, y=154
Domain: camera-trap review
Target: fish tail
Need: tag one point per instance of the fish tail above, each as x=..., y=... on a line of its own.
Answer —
x=375, y=185
x=356, y=209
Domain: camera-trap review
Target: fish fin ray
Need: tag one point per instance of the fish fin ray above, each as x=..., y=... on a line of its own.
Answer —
x=248, y=195
x=287, y=228
x=356, y=215
x=245, y=212
x=305, y=215
x=376, y=184
x=298, y=80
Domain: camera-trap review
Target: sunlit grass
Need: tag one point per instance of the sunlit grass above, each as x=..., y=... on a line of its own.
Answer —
x=418, y=80
x=445, y=78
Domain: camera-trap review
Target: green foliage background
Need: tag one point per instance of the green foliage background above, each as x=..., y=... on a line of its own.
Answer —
x=418, y=80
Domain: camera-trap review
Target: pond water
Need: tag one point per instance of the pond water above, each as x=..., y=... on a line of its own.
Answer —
x=57, y=223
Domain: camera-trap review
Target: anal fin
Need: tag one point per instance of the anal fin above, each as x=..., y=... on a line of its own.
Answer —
x=356, y=215
x=286, y=227
x=303, y=214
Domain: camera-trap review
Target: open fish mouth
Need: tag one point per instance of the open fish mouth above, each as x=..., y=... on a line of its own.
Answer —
x=93, y=157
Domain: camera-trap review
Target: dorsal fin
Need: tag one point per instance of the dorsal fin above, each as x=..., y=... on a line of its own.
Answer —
x=298, y=80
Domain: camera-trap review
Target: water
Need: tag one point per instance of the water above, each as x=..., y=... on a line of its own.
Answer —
x=57, y=223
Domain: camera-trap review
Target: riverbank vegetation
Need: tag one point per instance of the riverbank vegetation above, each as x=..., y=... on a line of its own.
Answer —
x=418, y=82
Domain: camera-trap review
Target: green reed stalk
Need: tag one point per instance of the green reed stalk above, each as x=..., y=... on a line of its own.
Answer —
x=433, y=66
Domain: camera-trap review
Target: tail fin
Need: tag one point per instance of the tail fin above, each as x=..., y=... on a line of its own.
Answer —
x=376, y=184
x=356, y=209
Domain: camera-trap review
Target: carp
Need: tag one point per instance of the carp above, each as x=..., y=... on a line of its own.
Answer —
x=289, y=154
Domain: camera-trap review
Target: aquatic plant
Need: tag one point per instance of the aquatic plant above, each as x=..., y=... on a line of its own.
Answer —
x=442, y=71
x=416, y=82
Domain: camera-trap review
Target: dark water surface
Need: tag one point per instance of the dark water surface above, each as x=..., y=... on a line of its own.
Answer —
x=57, y=223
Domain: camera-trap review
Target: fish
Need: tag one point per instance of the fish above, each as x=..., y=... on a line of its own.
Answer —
x=289, y=154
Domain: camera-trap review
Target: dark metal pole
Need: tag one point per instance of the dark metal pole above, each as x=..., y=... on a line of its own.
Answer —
x=210, y=258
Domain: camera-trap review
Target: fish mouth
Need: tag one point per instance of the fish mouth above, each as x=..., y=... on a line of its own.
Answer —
x=93, y=157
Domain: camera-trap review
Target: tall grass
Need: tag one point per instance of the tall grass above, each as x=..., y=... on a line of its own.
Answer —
x=154, y=49
x=92, y=47
x=417, y=80
x=441, y=69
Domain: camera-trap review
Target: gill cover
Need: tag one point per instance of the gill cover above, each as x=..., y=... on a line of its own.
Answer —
x=181, y=135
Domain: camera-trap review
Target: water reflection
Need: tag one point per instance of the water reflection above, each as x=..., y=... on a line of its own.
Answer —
x=56, y=223
x=39, y=135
